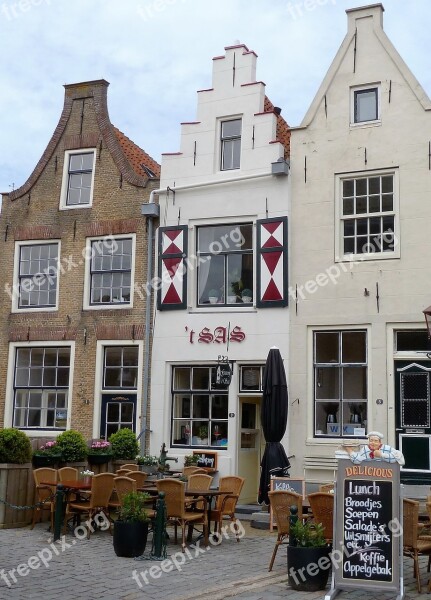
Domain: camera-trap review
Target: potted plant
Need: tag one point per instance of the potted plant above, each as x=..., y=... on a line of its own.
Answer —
x=73, y=446
x=148, y=463
x=246, y=295
x=308, y=570
x=16, y=481
x=100, y=452
x=124, y=444
x=131, y=526
x=213, y=296
x=46, y=455
x=191, y=460
x=203, y=434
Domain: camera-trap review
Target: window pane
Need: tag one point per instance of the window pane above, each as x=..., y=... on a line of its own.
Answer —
x=181, y=407
x=231, y=128
x=327, y=383
x=250, y=378
x=211, y=280
x=327, y=347
x=200, y=407
x=219, y=407
x=366, y=105
x=354, y=347
x=113, y=356
x=181, y=379
x=112, y=377
x=412, y=340
x=200, y=380
x=354, y=383
x=348, y=188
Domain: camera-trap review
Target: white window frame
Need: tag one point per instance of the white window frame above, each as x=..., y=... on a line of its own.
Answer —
x=362, y=88
x=99, y=390
x=340, y=256
x=87, y=276
x=65, y=179
x=10, y=398
x=14, y=291
x=222, y=140
x=311, y=330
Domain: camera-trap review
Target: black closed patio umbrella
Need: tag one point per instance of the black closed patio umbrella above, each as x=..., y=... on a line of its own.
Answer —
x=273, y=416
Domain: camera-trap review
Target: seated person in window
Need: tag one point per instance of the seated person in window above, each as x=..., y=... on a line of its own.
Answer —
x=375, y=450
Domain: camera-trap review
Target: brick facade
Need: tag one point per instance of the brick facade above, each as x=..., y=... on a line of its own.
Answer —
x=32, y=213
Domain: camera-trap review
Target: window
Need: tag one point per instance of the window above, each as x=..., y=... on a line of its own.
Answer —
x=365, y=104
x=340, y=383
x=368, y=215
x=41, y=387
x=199, y=408
x=120, y=368
x=413, y=341
x=251, y=378
x=78, y=179
x=225, y=259
x=37, y=276
x=111, y=271
x=230, y=144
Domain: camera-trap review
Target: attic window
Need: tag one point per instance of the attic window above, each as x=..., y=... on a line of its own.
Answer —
x=365, y=104
x=230, y=144
x=148, y=171
x=78, y=179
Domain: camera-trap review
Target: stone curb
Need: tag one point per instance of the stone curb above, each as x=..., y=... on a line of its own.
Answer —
x=235, y=588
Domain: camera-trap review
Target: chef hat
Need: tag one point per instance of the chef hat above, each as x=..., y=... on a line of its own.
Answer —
x=375, y=434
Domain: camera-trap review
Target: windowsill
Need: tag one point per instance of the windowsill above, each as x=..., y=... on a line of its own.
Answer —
x=330, y=441
x=364, y=124
x=107, y=307
x=365, y=257
x=36, y=309
x=221, y=309
x=74, y=206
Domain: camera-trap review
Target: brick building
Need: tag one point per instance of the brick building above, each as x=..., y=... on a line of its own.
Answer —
x=73, y=270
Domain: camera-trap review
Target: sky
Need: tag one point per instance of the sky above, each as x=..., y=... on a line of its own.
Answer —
x=156, y=54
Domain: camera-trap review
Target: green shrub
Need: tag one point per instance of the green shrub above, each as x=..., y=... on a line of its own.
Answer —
x=133, y=508
x=124, y=444
x=72, y=446
x=306, y=535
x=191, y=460
x=15, y=447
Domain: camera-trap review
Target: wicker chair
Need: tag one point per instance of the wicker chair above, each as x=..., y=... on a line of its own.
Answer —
x=122, y=485
x=102, y=486
x=322, y=507
x=130, y=467
x=226, y=503
x=43, y=492
x=413, y=545
x=198, y=481
x=281, y=501
x=327, y=487
x=139, y=476
x=187, y=471
x=67, y=474
x=176, y=508
x=123, y=472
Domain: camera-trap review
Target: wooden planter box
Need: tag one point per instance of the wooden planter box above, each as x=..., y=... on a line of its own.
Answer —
x=16, y=487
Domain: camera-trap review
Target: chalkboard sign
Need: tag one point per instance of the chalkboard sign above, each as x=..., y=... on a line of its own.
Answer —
x=285, y=484
x=207, y=460
x=222, y=376
x=367, y=527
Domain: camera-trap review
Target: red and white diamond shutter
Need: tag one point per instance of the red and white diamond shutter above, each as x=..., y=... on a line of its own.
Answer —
x=272, y=262
x=172, y=293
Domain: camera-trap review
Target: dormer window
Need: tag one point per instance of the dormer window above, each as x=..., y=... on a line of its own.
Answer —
x=365, y=104
x=78, y=178
x=230, y=144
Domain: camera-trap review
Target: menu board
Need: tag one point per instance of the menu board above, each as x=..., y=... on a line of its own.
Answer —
x=367, y=527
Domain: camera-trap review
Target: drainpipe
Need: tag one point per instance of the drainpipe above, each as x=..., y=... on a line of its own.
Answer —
x=152, y=211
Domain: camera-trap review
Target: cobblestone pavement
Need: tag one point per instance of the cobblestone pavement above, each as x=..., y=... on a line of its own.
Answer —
x=89, y=570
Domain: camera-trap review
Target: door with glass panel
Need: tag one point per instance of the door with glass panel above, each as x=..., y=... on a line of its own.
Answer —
x=249, y=451
x=413, y=417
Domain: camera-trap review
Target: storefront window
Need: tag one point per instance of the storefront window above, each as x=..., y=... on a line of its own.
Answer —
x=340, y=383
x=199, y=408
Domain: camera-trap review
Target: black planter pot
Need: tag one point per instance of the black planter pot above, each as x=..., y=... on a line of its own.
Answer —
x=130, y=538
x=304, y=571
x=45, y=461
x=98, y=459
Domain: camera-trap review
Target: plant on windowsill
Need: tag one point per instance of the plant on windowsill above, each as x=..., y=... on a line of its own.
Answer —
x=247, y=295
x=131, y=526
x=203, y=434
x=307, y=545
x=47, y=455
x=72, y=446
x=213, y=296
x=125, y=446
x=100, y=452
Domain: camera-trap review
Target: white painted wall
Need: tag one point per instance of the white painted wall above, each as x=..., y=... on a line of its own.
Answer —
x=331, y=145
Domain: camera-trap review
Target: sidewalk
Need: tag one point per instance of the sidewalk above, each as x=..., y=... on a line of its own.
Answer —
x=89, y=570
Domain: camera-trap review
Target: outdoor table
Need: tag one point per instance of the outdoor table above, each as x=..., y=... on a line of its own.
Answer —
x=72, y=485
x=208, y=495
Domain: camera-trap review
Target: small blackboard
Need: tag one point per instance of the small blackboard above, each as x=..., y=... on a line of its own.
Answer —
x=207, y=460
x=367, y=526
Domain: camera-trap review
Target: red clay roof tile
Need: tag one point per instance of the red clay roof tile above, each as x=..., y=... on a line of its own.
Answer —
x=137, y=158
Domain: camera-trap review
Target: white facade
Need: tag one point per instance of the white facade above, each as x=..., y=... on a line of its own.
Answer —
x=201, y=194
x=360, y=171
